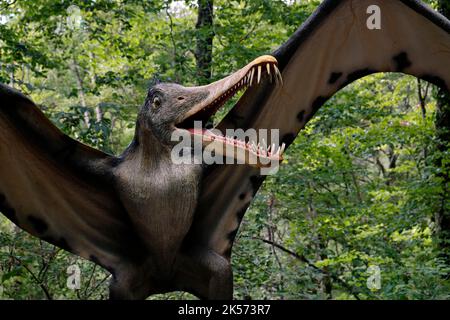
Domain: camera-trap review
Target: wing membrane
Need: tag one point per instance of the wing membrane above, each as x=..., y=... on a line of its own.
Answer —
x=57, y=188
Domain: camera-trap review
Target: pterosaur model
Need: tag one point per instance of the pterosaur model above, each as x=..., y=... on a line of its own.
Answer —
x=159, y=227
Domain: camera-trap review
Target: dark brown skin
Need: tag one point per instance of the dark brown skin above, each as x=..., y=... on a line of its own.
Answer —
x=161, y=197
x=148, y=182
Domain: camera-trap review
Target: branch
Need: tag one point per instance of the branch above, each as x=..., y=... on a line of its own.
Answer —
x=172, y=39
x=39, y=282
x=271, y=234
x=90, y=280
x=422, y=97
x=7, y=4
x=381, y=167
x=97, y=286
x=310, y=264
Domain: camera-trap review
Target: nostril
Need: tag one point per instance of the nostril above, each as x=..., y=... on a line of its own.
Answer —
x=180, y=98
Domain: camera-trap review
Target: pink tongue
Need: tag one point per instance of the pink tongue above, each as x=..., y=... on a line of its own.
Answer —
x=205, y=132
x=197, y=131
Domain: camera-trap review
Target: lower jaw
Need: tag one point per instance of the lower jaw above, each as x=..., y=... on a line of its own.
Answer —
x=234, y=150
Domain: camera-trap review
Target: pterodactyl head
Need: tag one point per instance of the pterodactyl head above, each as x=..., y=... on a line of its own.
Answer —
x=171, y=107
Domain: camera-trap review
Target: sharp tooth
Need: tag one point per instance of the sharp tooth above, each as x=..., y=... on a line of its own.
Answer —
x=274, y=74
x=259, y=73
x=275, y=77
x=283, y=146
x=278, y=150
x=280, y=78
x=251, y=76
x=268, y=69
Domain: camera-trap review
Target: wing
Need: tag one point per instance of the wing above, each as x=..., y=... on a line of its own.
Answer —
x=58, y=189
x=333, y=48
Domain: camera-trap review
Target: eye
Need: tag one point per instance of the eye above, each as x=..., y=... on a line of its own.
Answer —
x=180, y=98
x=156, y=102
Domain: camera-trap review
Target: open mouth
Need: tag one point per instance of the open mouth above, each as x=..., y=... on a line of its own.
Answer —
x=250, y=152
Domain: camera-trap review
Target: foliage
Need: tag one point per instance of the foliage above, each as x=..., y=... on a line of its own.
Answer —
x=358, y=188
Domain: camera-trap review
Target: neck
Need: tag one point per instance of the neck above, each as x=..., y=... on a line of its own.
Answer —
x=146, y=147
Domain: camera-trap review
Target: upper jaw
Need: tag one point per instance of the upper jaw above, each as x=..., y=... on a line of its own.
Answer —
x=219, y=93
x=222, y=90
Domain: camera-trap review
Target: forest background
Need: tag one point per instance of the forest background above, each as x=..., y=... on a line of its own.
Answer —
x=360, y=208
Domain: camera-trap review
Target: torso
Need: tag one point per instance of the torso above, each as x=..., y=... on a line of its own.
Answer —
x=160, y=198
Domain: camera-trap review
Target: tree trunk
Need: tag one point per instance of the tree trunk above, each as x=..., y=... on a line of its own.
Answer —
x=11, y=76
x=81, y=95
x=205, y=36
x=442, y=123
